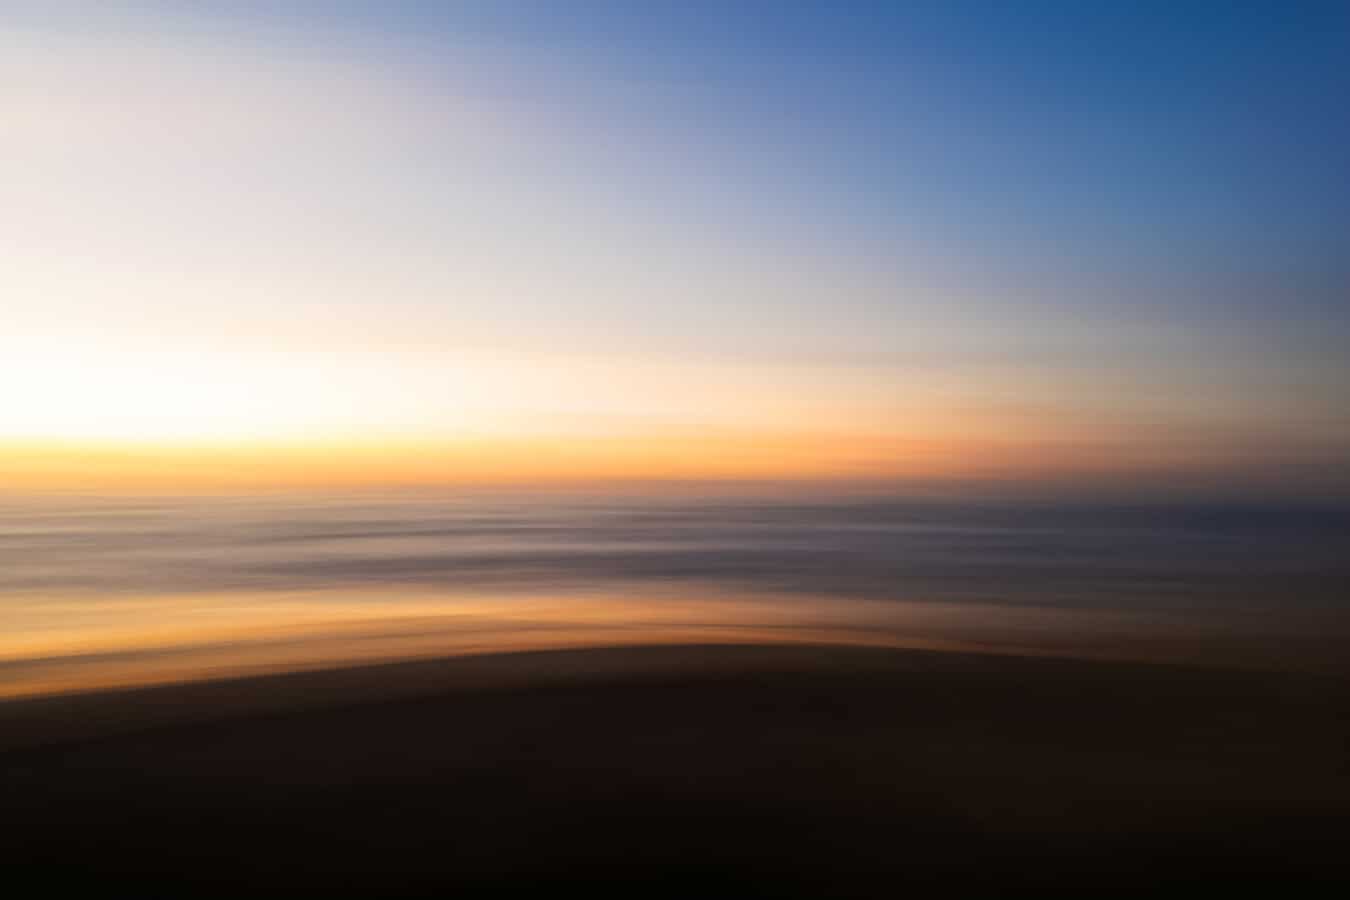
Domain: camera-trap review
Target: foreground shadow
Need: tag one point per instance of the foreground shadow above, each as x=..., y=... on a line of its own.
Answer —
x=750, y=771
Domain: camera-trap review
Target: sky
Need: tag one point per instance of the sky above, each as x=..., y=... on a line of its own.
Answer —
x=364, y=243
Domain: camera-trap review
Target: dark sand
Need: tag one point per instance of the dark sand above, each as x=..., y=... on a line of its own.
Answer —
x=686, y=771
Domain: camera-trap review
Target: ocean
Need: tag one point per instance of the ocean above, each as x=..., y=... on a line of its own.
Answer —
x=102, y=591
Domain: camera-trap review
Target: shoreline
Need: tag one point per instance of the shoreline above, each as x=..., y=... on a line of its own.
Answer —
x=92, y=713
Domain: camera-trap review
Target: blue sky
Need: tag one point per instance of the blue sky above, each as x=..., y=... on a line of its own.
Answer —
x=951, y=219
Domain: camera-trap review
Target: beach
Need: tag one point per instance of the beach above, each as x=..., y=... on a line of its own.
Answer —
x=760, y=770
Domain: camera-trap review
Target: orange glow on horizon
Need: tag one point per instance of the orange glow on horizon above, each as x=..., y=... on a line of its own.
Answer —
x=663, y=456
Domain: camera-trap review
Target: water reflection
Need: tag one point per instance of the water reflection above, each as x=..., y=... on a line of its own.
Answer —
x=101, y=590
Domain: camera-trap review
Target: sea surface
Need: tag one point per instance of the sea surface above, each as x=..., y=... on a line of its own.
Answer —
x=99, y=591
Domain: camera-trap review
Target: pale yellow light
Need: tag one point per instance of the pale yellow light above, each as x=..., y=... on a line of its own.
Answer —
x=88, y=393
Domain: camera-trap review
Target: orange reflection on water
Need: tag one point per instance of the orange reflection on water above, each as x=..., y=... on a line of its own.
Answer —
x=60, y=645
x=57, y=645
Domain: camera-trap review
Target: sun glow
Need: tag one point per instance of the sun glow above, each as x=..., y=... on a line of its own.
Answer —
x=86, y=393
x=80, y=416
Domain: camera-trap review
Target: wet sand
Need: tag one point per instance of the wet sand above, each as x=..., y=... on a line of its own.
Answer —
x=747, y=770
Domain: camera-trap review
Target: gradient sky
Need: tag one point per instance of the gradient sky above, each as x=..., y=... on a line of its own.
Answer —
x=396, y=241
